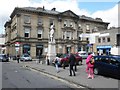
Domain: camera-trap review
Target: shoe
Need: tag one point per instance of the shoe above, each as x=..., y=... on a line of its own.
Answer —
x=89, y=77
x=74, y=75
x=92, y=77
x=70, y=75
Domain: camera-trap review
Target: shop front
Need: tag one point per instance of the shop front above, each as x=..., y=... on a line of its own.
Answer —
x=39, y=50
x=104, y=49
x=26, y=49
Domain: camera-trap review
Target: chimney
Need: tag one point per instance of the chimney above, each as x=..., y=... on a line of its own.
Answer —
x=53, y=9
x=43, y=8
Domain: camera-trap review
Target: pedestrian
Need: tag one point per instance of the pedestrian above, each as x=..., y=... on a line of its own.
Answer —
x=72, y=61
x=87, y=68
x=90, y=66
x=18, y=58
x=56, y=61
x=39, y=58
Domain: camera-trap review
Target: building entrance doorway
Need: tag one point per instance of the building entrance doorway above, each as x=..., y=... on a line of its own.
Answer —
x=68, y=50
x=39, y=50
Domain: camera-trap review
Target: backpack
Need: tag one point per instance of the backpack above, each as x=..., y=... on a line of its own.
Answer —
x=92, y=61
x=56, y=61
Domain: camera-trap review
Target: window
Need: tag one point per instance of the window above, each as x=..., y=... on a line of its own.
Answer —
x=27, y=32
x=87, y=27
x=99, y=40
x=114, y=61
x=26, y=19
x=108, y=39
x=40, y=22
x=51, y=22
x=87, y=39
x=71, y=24
x=104, y=60
x=79, y=26
x=95, y=29
x=103, y=39
x=68, y=35
x=79, y=38
x=65, y=23
x=39, y=33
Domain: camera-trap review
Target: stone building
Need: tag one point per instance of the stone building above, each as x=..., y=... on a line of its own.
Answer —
x=2, y=43
x=29, y=27
x=107, y=39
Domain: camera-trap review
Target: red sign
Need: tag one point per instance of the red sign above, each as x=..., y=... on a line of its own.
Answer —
x=17, y=43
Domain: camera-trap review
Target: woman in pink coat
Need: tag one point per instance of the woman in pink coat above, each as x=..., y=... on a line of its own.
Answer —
x=90, y=66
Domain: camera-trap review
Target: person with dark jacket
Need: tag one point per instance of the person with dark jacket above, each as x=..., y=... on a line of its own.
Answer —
x=18, y=57
x=72, y=61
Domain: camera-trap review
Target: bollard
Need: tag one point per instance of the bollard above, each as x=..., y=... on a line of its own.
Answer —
x=48, y=62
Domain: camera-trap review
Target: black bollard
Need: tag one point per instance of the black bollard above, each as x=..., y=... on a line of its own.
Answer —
x=48, y=62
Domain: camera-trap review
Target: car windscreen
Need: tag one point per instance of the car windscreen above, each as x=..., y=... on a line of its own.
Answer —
x=3, y=56
x=26, y=55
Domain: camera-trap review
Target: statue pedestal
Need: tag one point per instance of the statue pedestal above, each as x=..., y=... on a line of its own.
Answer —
x=51, y=51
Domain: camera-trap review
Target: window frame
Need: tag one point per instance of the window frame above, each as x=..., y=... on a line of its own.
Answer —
x=27, y=19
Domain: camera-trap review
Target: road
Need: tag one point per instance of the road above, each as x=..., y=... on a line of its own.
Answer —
x=16, y=76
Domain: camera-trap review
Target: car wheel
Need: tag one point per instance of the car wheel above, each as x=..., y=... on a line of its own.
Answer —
x=80, y=62
x=96, y=71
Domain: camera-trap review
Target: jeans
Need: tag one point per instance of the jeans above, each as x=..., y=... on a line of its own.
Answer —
x=56, y=66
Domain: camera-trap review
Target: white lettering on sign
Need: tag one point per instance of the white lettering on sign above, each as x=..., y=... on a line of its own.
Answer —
x=17, y=44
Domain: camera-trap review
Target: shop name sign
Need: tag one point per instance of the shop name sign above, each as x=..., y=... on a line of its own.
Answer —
x=17, y=44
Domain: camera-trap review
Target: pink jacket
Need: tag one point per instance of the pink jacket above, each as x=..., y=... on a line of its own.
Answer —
x=88, y=61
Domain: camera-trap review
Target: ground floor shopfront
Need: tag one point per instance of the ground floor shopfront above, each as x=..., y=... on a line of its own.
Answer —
x=104, y=49
x=40, y=49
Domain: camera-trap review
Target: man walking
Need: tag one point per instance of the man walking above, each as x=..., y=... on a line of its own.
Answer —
x=72, y=61
x=18, y=57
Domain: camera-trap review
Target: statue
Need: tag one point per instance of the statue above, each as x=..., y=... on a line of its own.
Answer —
x=51, y=33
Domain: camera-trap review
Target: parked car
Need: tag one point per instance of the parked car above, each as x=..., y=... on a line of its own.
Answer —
x=4, y=58
x=64, y=59
x=14, y=57
x=25, y=57
x=83, y=54
x=107, y=65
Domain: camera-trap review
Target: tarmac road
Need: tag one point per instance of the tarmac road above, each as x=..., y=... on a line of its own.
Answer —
x=16, y=76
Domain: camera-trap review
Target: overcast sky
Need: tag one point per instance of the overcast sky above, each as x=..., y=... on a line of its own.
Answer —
x=105, y=9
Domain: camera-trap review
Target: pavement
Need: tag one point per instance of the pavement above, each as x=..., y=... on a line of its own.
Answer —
x=79, y=80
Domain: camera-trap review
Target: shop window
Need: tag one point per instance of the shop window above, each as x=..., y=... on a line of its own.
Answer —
x=39, y=50
x=26, y=49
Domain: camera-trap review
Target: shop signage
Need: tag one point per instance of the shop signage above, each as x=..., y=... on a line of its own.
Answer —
x=107, y=46
x=17, y=44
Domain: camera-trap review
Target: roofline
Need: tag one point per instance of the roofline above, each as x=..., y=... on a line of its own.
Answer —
x=16, y=9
